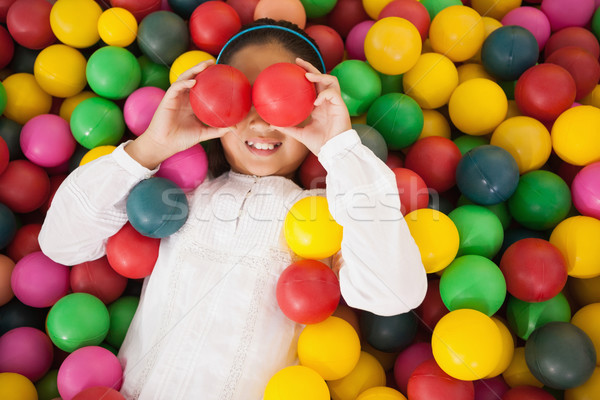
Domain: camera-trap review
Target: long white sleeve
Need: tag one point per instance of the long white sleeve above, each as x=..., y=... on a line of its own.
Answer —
x=89, y=207
x=382, y=270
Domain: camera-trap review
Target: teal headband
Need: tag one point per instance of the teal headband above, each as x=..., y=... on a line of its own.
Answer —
x=254, y=28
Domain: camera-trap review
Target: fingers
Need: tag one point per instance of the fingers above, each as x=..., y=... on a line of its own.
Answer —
x=330, y=95
x=195, y=70
x=307, y=66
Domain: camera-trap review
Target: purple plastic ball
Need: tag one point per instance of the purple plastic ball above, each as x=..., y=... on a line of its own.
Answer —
x=532, y=19
x=355, y=41
x=585, y=190
x=140, y=107
x=26, y=351
x=187, y=169
x=46, y=140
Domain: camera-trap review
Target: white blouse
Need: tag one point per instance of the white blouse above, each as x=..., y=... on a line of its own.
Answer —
x=208, y=325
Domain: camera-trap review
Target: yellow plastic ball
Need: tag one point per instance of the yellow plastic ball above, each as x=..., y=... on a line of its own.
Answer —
x=368, y=373
x=310, y=230
x=75, y=22
x=331, y=348
x=117, y=27
x=95, y=153
x=478, y=106
x=186, y=61
x=576, y=135
x=518, y=373
x=489, y=26
x=386, y=359
x=508, y=349
x=588, y=320
x=457, y=32
x=592, y=99
x=495, y=8
x=393, y=45
x=435, y=235
x=584, y=291
x=526, y=139
x=588, y=391
x=472, y=71
x=60, y=70
x=296, y=383
x=69, y=104
x=431, y=81
x=435, y=124
x=374, y=7
x=16, y=387
x=381, y=393
x=467, y=344
x=577, y=239
x=25, y=98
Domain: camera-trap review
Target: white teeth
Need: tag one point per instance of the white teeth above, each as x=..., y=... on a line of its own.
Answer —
x=262, y=146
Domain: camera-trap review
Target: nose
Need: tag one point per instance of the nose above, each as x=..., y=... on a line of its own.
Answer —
x=256, y=123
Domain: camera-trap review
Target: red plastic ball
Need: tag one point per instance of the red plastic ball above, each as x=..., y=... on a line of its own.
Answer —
x=411, y=10
x=24, y=186
x=330, y=44
x=132, y=254
x=55, y=182
x=544, y=91
x=527, y=393
x=311, y=173
x=394, y=160
x=308, y=292
x=429, y=382
x=572, y=36
x=4, y=155
x=28, y=22
x=25, y=242
x=4, y=6
x=221, y=96
x=567, y=171
x=98, y=279
x=534, y=269
x=409, y=359
x=345, y=15
x=244, y=8
x=212, y=24
x=7, y=47
x=490, y=389
x=432, y=309
x=99, y=393
x=435, y=159
x=282, y=95
x=139, y=8
x=583, y=67
x=412, y=189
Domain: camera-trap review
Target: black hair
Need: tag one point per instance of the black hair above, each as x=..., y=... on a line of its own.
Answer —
x=217, y=163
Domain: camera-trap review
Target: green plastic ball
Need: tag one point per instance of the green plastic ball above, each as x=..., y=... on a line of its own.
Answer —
x=596, y=23
x=3, y=98
x=435, y=6
x=372, y=139
x=77, y=320
x=96, y=122
x=318, y=8
x=153, y=74
x=47, y=387
x=500, y=209
x=542, y=199
x=360, y=85
x=398, y=118
x=465, y=143
x=524, y=317
x=479, y=229
x=113, y=72
x=473, y=282
x=391, y=83
x=163, y=36
x=121, y=313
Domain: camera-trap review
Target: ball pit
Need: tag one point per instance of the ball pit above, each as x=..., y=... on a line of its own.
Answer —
x=46, y=140
x=26, y=351
x=358, y=99
x=121, y=313
x=43, y=61
x=113, y=72
x=16, y=387
x=296, y=382
x=429, y=382
x=388, y=334
x=212, y=24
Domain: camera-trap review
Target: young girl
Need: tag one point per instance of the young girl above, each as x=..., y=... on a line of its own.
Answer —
x=208, y=325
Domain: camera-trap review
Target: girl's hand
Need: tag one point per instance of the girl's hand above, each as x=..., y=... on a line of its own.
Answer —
x=330, y=116
x=174, y=126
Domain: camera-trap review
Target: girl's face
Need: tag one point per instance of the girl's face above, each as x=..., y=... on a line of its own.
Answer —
x=254, y=147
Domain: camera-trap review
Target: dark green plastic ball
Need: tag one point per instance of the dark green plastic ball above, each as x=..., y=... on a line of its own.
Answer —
x=372, y=139
x=153, y=74
x=121, y=313
x=398, y=118
x=389, y=334
x=524, y=317
x=163, y=36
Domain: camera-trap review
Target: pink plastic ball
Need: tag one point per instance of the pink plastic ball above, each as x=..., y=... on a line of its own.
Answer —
x=140, y=107
x=532, y=19
x=565, y=13
x=187, y=168
x=46, y=140
x=26, y=351
x=585, y=190
x=409, y=359
x=88, y=367
x=38, y=281
x=355, y=41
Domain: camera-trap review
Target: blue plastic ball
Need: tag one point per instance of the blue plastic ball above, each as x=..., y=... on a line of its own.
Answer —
x=509, y=51
x=487, y=175
x=8, y=226
x=157, y=207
